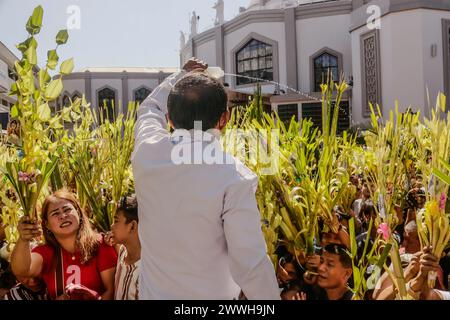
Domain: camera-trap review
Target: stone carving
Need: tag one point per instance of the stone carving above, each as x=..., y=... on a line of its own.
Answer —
x=371, y=69
x=182, y=40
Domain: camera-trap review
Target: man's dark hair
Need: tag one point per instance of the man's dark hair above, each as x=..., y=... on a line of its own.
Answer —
x=128, y=206
x=341, y=251
x=196, y=97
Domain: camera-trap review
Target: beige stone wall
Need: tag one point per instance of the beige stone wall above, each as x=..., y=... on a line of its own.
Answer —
x=407, y=68
x=316, y=33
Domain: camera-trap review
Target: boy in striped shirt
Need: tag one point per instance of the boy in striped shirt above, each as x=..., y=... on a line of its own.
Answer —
x=27, y=289
x=125, y=234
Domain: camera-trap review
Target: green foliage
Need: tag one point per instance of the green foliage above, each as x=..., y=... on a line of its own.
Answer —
x=99, y=159
x=308, y=181
x=53, y=90
x=29, y=175
x=34, y=23
x=93, y=159
x=62, y=37
x=66, y=67
x=369, y=257
x=52, y=59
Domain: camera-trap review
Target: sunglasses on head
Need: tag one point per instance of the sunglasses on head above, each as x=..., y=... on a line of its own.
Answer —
x=123, y=202
x=335, y=248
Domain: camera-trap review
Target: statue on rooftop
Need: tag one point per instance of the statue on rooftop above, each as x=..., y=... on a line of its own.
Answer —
x=182, y=39
x=194, y=24
x=220, y=17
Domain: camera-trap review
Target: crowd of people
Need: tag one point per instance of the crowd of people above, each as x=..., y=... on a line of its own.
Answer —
x=332, y=278
x=106, y=266
x=197, y=232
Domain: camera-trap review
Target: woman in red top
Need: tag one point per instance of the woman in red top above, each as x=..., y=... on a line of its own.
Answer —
x=74, y=254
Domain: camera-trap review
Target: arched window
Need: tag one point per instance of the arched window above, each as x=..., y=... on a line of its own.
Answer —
x=322, y=63
x=141, y=94
x=66, y=100
x=76, y=96
x=254, y=60
x=12, y=74
x=4, y=114
x=107, y=102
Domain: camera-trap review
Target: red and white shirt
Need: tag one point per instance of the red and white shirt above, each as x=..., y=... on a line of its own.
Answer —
x=75, y=272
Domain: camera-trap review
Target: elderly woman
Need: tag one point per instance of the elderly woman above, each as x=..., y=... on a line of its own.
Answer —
x=74, y=263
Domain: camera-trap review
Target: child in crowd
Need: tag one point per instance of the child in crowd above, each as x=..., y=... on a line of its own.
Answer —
x=28, y=289
x=125, y=234
x=7, y=279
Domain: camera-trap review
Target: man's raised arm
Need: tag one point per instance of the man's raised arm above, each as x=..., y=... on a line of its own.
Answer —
x=151, y=120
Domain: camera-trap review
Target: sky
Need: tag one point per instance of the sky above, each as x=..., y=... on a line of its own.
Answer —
x=112, y=33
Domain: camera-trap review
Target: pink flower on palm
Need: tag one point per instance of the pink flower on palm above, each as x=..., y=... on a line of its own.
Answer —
x=384, y=230
x=23, y=176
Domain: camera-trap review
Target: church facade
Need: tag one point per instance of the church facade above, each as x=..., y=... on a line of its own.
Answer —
x=7, y=77
x=112, y=86
x=289, y=45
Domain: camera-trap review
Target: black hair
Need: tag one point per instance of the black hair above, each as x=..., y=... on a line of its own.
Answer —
x=7, y=278
x=128, y=206
x=341, y=251
x=367, y=209
x=196, y=97
x=293, y=285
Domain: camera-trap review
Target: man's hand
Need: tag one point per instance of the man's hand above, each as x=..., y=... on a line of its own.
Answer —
x=195, y=65
x=414, y=266
x=108, y=238
x=312, y=262
x=299, y=296
x=80, y=292
x=428, y=262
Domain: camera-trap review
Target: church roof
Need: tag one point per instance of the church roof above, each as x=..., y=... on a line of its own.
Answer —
x=131, y=69
x=278, y=4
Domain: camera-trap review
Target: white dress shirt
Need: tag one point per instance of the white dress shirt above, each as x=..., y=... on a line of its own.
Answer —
x=199, y=225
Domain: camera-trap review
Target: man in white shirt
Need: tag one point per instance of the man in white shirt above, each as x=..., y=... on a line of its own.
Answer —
x=200, y=228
